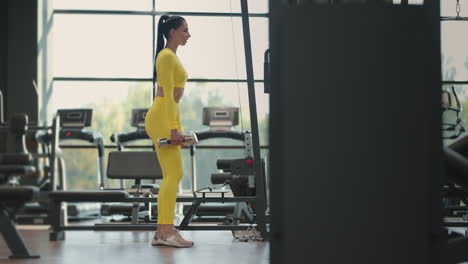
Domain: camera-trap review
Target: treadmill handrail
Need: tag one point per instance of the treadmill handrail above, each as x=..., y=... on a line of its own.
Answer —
x=130, y=136
x=209, y=134
x=201, y=135
x=93, y=137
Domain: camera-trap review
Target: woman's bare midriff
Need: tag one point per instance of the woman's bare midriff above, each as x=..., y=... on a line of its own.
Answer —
x=178, y=92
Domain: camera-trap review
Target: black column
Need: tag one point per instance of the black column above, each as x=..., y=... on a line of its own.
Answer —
x=356, y=167
x=21, y=96
x=3, y=49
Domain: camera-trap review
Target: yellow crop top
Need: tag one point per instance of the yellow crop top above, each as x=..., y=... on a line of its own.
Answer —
x=171, y=74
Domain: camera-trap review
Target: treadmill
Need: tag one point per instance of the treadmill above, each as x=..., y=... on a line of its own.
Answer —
x=73, y=124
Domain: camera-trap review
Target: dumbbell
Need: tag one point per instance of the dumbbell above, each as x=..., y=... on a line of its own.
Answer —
x=189, y=139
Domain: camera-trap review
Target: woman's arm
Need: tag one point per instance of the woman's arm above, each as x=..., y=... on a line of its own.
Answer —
x=165, y=65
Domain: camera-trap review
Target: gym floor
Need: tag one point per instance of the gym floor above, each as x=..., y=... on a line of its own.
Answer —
x=130, y=247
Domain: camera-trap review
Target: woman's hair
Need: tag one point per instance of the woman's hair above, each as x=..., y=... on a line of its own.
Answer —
x=165, y=24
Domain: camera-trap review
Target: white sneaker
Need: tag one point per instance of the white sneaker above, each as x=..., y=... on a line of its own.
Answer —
x=154, y=242
x=173, y=240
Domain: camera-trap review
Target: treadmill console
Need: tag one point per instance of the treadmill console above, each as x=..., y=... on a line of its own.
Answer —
x=220, y=118
x=75, y=118
x=138, y=117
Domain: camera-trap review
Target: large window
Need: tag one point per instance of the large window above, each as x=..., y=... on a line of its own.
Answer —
x=454, y=25
x=102, y=58
x=93, y=45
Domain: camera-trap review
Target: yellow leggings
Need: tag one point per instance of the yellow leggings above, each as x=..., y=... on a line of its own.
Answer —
x=169, y=157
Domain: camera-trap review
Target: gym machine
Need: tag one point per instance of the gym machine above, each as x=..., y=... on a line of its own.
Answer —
x=137, y=121
x=456, y=189
x=238, y=174
x=73, y=124
x=12, y=198
x=135, y=211
x=13, y=166
x=43, y=177
x=452, y=122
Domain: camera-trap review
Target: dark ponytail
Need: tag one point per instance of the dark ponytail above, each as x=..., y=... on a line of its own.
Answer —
x=165, y=24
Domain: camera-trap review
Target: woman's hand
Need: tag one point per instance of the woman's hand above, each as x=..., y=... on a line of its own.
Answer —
x=177, y=139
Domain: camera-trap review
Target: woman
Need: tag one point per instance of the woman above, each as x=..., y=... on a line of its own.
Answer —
x=163, y=121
